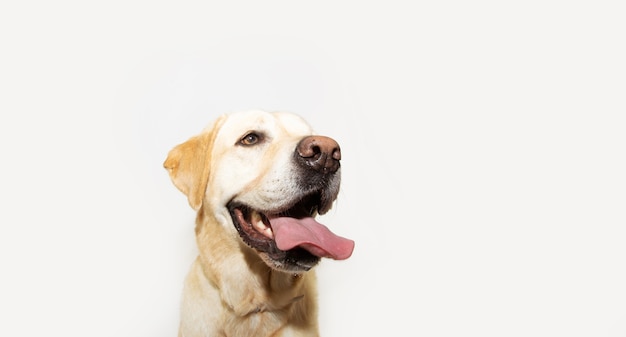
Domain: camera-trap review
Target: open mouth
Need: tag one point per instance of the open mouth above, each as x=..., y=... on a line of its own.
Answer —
x=292, y=239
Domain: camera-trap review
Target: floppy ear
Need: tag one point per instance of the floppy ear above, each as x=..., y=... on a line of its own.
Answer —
x=188, y=165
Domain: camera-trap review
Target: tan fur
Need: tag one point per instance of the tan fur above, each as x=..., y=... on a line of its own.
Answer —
x=230, y=290
x=188, y=165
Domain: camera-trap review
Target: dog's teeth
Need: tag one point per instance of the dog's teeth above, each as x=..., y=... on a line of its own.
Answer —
x=263, y=229
x=259, y=225
x=268, y=232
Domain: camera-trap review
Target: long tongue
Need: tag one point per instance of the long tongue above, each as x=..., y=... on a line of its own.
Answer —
x=310, y=235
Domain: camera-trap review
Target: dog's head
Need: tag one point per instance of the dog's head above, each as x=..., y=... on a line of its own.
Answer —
x=265, y=176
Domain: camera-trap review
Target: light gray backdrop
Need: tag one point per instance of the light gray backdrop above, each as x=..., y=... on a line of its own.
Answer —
x=483, y=158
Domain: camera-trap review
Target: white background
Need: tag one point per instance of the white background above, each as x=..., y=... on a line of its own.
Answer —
x=484, y=152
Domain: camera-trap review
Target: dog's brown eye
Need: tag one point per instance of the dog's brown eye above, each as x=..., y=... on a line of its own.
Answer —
x=250, y=139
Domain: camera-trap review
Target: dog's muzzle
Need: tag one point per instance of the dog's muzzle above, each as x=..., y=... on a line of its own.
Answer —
x=290, y=236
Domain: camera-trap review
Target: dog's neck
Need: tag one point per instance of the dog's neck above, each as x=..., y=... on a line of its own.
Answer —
x=266, y=290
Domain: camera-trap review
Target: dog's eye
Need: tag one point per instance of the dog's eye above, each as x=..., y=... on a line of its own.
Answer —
x=250, y=139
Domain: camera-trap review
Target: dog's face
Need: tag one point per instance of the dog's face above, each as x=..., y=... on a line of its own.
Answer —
x=265, y=176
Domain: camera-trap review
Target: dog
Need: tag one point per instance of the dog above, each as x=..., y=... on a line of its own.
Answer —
x=257, y=180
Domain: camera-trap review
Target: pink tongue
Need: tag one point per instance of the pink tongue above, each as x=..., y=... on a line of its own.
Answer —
x=310, y=235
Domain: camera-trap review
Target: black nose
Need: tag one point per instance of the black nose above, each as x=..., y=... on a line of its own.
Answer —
x=319, y=153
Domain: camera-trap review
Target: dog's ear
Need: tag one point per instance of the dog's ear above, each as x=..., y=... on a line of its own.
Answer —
x=188, y=165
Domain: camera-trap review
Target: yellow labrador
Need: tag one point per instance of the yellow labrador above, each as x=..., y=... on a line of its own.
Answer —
x=257, y=180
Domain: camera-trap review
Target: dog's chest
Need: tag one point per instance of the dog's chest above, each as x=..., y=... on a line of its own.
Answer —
x=259, y=324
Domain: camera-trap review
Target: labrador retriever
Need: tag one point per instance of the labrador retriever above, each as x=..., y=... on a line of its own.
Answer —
x=257, y=181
